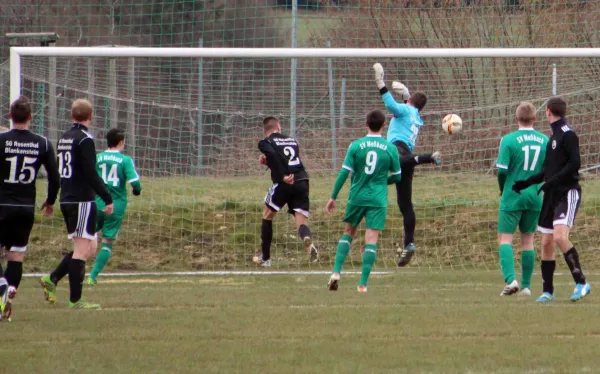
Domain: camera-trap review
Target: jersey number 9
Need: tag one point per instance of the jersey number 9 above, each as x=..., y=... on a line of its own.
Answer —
x=371, y=162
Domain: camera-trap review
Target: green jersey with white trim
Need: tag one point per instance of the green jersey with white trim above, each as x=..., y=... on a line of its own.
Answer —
x=116, y=170
x=521, y=155
x=370, y=159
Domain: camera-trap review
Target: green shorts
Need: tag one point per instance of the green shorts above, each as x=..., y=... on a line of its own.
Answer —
x=374, y=216
x=109, y=225
x=526, y=220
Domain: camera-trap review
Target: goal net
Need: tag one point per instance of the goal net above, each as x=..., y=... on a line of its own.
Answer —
x=193, y=124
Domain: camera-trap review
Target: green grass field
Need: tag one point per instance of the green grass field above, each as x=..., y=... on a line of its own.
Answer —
x=409, y=322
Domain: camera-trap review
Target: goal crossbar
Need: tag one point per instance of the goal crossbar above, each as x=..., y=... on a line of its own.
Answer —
x=376, y=53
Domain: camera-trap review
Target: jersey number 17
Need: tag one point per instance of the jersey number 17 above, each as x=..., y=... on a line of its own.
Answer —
x=526, y=150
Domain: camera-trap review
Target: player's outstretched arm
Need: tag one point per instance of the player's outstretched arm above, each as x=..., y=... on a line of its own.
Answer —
x=395, y=108
x=88, y=160
x=523, y=184
x=53, y=175
x=275, y=163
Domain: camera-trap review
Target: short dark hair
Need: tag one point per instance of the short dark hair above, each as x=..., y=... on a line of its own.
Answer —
x=269, y=123
x=557, y=106
x=375, y=120
x=20, y=110
x=418, y=100
x=114, y=137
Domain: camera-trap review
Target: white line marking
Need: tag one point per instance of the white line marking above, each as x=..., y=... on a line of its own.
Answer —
x=216, y=273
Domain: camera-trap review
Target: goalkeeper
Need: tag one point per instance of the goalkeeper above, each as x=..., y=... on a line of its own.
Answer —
x=402, y=132
x=116, y=170
x=521, y=156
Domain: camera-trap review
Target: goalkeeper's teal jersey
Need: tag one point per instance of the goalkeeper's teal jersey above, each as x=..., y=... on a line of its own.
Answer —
x=117, y=171
x=522, y=155
x=370, y=159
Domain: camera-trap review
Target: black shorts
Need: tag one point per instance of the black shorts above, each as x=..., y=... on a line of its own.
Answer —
x=16, y=223
x=559, y=210
x=80, y=219
x=294, y=195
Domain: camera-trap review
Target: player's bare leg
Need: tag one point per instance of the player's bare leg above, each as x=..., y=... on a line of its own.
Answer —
x=266, y=236
x=507, y=264
x=13, y=275
x=341, y=253
x=561, y=238
x=306, y=236
x=548, y=266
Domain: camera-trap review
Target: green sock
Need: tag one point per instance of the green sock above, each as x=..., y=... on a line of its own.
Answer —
x=527, y=265
x=507, y=263
x=368, y=262
x=101, y=260
x=342, y=252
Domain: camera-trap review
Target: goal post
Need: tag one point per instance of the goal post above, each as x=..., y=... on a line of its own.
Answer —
x=202, y=108
x=376, y=53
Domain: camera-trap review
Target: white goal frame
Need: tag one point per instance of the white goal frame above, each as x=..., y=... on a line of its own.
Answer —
x=16, y=53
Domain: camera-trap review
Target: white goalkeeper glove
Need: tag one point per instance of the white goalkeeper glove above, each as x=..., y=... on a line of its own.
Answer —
x=401, y=89
x=379, y=75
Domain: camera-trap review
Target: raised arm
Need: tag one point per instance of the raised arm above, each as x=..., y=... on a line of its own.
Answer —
x=394, y=107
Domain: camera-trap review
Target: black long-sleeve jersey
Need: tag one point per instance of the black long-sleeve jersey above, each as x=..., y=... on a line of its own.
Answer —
x=22, y=153
x=561, y=165
x=283, y=157
x=79, y=181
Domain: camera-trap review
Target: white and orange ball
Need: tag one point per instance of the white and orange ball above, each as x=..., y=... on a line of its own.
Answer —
x=452, y=124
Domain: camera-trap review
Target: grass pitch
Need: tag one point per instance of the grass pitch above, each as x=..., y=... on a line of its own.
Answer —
x=418, y=322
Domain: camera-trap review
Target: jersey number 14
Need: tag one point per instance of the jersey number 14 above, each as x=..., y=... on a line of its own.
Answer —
x=111, y=177
x=526, y=150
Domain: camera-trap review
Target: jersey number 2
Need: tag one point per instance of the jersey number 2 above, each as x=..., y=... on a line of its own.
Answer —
x=112, y=175
x=289, y=151
x=536, y=155
x=27, y=174
x=371, y=162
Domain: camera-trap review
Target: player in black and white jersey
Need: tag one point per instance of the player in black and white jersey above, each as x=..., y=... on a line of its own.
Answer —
x=79, y=184
x=22, y=153
x=290, y=186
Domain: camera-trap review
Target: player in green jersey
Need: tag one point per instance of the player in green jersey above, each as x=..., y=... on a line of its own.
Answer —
x=369, y=159
x=116, y=170
x=521, y=155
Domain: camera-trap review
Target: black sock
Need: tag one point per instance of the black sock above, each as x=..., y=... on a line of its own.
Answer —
x=304, y=232
x=548, y=275
x=76, y=275
x=62, y=269
x=572, y=259
x=14, y=272
x=266, y=236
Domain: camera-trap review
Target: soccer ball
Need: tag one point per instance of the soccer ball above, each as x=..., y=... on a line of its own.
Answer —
x=452, y=124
